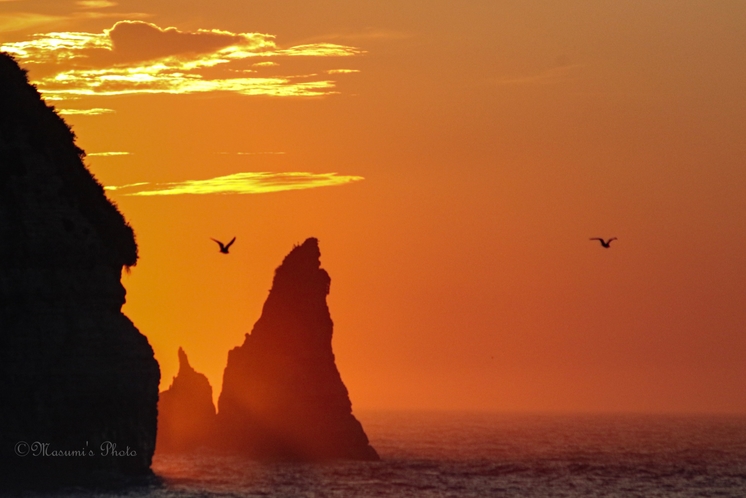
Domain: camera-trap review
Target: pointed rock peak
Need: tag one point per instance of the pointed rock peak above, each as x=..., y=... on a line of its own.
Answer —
x=301, y=272
x=282, y=394
x=188, y=377
x=306, y=255
x=186, y=413
x=184, y=365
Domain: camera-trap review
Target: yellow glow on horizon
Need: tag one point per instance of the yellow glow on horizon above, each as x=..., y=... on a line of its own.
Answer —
x=238, y=183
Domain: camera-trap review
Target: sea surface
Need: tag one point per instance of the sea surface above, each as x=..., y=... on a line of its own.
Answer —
x=487, y=455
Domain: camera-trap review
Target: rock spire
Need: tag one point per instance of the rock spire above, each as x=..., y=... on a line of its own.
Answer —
x=283, y=397
x=186, y=414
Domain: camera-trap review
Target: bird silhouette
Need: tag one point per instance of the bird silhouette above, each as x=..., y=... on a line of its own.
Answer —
x=605, y=243
x=224, y=247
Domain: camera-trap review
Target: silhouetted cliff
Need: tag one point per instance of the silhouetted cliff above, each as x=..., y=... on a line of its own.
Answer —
x=75, y=374
x=186, y=414
x=282, y=395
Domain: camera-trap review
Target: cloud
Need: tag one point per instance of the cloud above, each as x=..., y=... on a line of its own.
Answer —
x=238, y=183
x=252, y=153
x=108, y=154
x=370, y=34
x=162, y=79
x=96, y=111
x=142, y=41
x=56, y=47
x=25, y=20
x=126, y=42
x=139, y=57
x=547, y=77
x=95, y=4
x=20, y=21
x=342, y=71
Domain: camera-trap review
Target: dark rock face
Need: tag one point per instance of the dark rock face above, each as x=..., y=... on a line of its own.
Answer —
x=75, y=373
x=283, y=397
x=186, y=414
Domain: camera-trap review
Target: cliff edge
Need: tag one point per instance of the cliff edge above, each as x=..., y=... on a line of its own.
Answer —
x=78, y=381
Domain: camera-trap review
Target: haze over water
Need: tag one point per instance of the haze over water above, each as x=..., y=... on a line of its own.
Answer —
x=432, y=454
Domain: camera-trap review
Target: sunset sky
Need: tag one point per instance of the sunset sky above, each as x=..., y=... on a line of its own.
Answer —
x=453, y=158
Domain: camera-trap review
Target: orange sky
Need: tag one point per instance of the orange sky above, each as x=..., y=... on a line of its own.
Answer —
x=476, y=145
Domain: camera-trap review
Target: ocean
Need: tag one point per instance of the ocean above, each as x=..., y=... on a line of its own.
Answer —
x=427, y=454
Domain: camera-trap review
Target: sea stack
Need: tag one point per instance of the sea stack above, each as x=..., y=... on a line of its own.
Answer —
x=283, y=397
x=76, y=376
x=186, y=414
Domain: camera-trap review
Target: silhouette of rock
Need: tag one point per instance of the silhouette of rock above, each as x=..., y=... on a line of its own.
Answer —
x=75, y=373
x=283, y=397
x=186, y=414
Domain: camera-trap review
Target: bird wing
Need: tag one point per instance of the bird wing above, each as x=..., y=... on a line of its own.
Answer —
x=219, y=243
x=230, y=243
x=597, y=238
x=613, y=238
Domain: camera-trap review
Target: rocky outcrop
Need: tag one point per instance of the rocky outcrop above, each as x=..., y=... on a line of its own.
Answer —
x=283, y=397
x=76, y=376
x=186, y=414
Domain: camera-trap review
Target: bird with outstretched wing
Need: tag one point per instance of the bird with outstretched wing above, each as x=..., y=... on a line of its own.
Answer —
x=224, y=247
x=605, y=243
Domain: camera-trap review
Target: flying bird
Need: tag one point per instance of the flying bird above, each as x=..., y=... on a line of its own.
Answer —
x=604, y=243
x=224, y=247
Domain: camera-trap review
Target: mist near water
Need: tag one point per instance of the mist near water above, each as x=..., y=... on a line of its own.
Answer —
x=441, y=454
